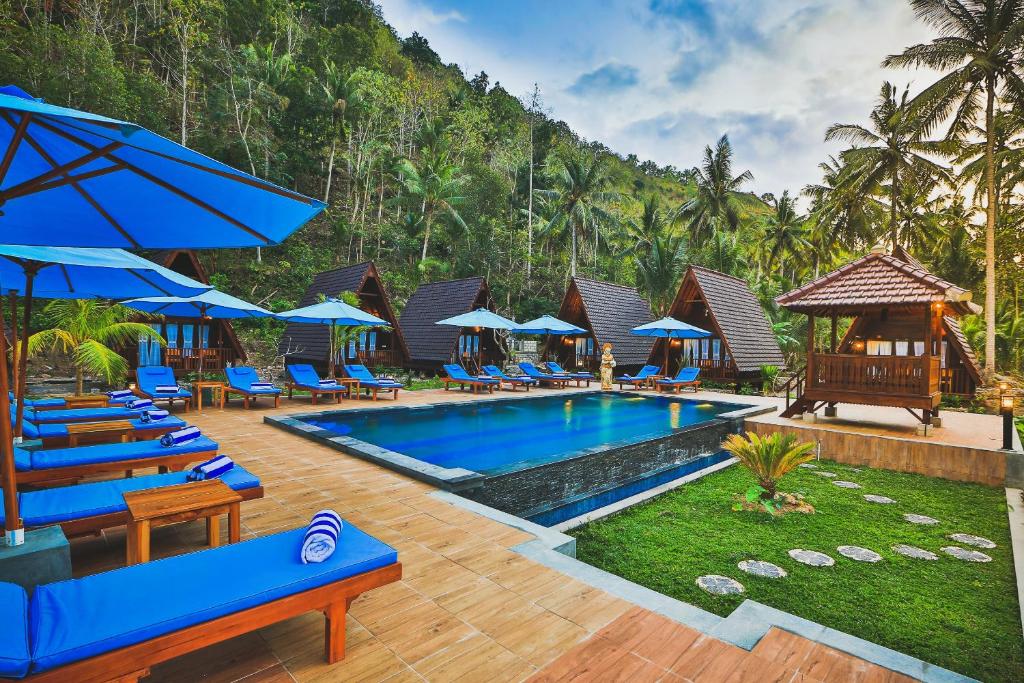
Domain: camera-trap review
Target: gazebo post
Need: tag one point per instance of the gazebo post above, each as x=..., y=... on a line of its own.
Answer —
x=810, y=352
x=835, y=330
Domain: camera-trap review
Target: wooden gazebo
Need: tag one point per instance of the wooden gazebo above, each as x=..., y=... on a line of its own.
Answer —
x=742, y=339
x=381, y=348
x=893, y=353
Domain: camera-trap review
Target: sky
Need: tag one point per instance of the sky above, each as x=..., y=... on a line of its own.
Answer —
x=662, y=79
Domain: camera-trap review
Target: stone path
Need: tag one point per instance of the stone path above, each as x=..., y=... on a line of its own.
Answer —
x=914, y=552
x=884, y=500
x=809, y=465
x=717, y=584
x=830, y=475
x=965, y=554
x=847, y=484
x=761, y=568
x=920, y=519
x=971, y=539
x=859, y=554
x=811, y=557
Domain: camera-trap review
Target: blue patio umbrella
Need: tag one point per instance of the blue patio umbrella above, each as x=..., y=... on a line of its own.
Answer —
x=71, y=178
x=482, y=318
x=548, y=325
x=61, y=272
x=209, y=304
x=333, y=313
x=670, y=328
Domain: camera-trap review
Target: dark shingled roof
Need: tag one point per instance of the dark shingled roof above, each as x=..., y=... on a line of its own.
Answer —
x=613, y=310
x=435, y=301
x=876, y=280
x=739, y=315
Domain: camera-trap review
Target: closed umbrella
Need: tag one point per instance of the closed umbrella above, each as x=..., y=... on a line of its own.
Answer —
x=208, y=305
x=670, y=328
x=549, y=326
x=482, y=318
x=333, y=313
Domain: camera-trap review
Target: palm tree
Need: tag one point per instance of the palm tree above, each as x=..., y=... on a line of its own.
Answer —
x=579, y=190
x=891, y=152
x=839, y=215
x=340, y=94
x=89, y=331
x=652, y=224
x=783, y=232
x=714, y=208
x=980, y=47
x=659, y=270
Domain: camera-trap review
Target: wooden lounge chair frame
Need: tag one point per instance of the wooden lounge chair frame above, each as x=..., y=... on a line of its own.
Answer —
x=93, y=525
x=163, y=463
x=129, y=664
x=109, y=437
x=187, y=401
x=677, y=387
x=315, y=393
x=248, y=396
x=474, y=385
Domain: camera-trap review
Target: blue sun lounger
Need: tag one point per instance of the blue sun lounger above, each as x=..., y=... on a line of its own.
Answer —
x=88, y=508
x=370, y=383
x=60, y=403
x=241, y=381
x=153, y=376
x=92, y=628
x=686, y=377
x=640, y=379
x=458, y=375
x=579, y=376
x=499, y=374
x=557, y=381
x=35, y=466
x=56, y=435
x=304, y=376
x=69, y=415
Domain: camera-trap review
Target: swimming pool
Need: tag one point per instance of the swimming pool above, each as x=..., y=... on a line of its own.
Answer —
x=545, y=458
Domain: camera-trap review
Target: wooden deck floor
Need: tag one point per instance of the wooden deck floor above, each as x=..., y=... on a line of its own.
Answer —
x=467, y=609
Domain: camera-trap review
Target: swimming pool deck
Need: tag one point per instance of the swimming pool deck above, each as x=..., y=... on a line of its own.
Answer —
x=469, y=608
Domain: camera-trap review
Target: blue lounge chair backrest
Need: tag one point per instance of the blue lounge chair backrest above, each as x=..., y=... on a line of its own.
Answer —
x=154, y=375
x=304, y=374
x=647, y=371
x=531, y=370
x=495, y=371
x=241, y=377
x=687, y=374
x=556, y=368
x=359, y=372
x=456, y=371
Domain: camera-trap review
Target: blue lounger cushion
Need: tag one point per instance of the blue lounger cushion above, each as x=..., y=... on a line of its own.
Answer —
x=304, y=375
x=65, y=503
x=495, y=371
x=14, y=650
x=366, y=378
x=56, y=431
x=22, y=459
x=80, y=618
x=113, y=452
x=242, y=379
x=459, y=374
x=151, y=377
x=79, y=415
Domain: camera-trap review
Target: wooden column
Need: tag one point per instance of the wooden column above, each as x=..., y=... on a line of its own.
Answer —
x=835, y=333
x=810, y=349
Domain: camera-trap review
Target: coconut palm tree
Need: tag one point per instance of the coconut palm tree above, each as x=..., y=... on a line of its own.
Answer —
x=979, y=51
x=436, y=184
x=889, y=155
x=783, y=232
x=714, y=208
x=89, y=330
x=341, y=96
x=578, y=193
x=840, y=216
x=659, y=269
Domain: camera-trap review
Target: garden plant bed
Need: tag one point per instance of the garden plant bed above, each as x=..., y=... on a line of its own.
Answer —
x=960, y=615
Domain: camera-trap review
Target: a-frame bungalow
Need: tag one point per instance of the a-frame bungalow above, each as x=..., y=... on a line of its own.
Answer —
x=742, y=339
x=381, y=348
x=607, y=311
x=188, y=339
x=904, y=347
x=432, y=345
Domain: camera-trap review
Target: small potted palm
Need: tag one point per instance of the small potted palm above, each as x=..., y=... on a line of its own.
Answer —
x=769, y=458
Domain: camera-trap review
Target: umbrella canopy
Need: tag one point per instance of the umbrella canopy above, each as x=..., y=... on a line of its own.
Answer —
x=481, y=317
x=210, y=304
x=76, y=179
x=331, y=312
x=670, y=327
x=548, y=324
x=79, y=273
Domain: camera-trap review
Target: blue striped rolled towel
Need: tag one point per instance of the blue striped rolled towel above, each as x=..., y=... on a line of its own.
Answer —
x=138, y=404
x=321, y=537
x=167, y=389
x=261, y=385
x=180, y=436
x=120, y=393
x=328, y=382
x=214, y=467
x=155, y=415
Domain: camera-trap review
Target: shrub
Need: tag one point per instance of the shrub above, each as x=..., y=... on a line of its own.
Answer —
x=769, y=458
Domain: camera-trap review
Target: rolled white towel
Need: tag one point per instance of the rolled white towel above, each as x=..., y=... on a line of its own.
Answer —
x=180, y=436
x=321, y=537
x=153, y=415
x=167, y=389
x=120, y=393
x=328, y=382
x=212, y=468
x=138, y=404
x=261, y=385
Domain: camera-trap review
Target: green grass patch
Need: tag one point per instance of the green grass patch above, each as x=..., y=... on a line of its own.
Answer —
x=960, y=615
x=427, y=383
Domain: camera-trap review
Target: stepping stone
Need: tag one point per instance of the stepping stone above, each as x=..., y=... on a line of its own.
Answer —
x=847, y=484
x=811, y=557
x=965, y=554
x=970, y=539
x=761, y=568
x=720, y=585
x=872, y=498
x=860, y=554
x=830, y=475
x=916, y=553
x=810, y=466
x=920, y=519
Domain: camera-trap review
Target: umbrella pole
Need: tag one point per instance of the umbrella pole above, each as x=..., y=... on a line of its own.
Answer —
x=14, y=339
x=30, y=275
x=666, y=355
x=14, y=534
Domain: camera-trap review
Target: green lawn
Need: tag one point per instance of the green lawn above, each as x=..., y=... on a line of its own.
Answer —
x=960, y=615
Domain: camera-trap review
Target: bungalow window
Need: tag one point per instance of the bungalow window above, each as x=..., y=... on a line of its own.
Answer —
x=879, y=347
x=902, y=348
x=704, y=348
x=716, y=348
x=584, y=346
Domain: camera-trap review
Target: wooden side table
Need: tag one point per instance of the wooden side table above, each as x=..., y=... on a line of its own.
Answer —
x=123, y=429
x=92, y=401
x=353, y=387
x=215, y=386
x=208, y=499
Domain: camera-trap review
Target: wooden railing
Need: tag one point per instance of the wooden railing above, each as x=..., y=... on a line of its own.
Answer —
x=715, y=368
x=187, y=360
x=893, y=375
x=380, y=358
x=957, y=381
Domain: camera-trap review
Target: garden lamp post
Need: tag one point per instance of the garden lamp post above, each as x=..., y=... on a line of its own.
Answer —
x=1006, y=404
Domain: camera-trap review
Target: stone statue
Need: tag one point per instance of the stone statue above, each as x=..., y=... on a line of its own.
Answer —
x=607, y=367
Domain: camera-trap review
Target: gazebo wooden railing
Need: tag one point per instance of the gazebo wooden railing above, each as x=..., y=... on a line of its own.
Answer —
x=914, y=376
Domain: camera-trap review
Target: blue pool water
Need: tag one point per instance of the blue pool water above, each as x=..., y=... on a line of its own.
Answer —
x=502, y=436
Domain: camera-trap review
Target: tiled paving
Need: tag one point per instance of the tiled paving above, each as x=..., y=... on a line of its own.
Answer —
x=467, y=609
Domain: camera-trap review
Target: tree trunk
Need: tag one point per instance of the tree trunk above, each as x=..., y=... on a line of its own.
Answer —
x=990, y=232
x=426, y=238
x=572, y=258
x=330, y=170
x=894, y=194
x=184, y=87
x=79, y=382
x=529, y=213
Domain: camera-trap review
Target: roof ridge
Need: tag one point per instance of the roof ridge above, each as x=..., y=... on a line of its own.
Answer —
x=353, y=266
x=718, y=272
x=604, y=282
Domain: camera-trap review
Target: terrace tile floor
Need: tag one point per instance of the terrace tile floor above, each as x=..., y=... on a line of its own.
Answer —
x=468, y=607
